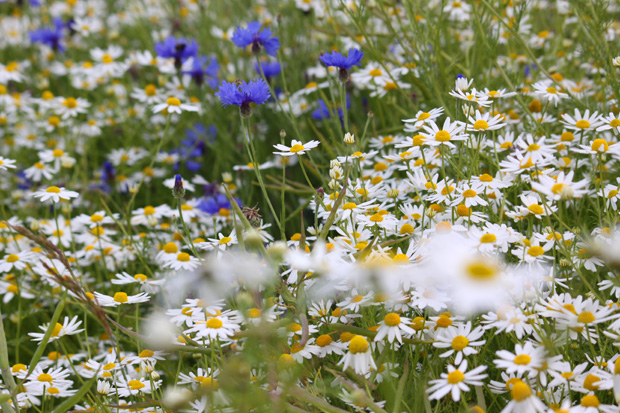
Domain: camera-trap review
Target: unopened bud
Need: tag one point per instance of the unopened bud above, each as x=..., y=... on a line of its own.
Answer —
x=252, y=215
x=178, y=191
x=349, y=138
x=371, y=114
x=283, y=134
x=35, y=225
x=253, y=238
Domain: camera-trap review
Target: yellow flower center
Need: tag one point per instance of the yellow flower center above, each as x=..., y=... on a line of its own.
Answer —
x=358, y=344
x=522, y=360
x=214, y=323
x=586, y=317
x=536, y=209
x=121, y=297
x=455, y=377
x=57, y=329
x=488, y=238
x=590, y=401
x=12, y=258
x=582, y=124
x=183, y=256
x=481, y=125
x=140, y=277
x=469, y=193
x=614, y=123
x=375, y=72
x=481, y=271
x=552, y=90
x=53, y=189
x=70, y=103
x=135, y=384
x=590, y=382
x=392, y=320
x=535, y=251
x=459, y=343
x=424, y=116
x=323, y=340
x=520, y=391
x=45, y=377
x=442, y=136
x=150, y=90
x=225, y=240
x=600, y=145
x=171, y=248
x=557, y=188
x=296, y=148
x=146, y=353
x=107, y=59
x=173, y=102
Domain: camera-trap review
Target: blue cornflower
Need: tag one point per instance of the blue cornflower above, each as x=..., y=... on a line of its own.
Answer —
x=178, y=49
x=242, y=94
x=216, y=203
x=270, y=69
x=323, y=112
x=343, y=63
x=252, y=35
x=200, y=70
x=50, y=36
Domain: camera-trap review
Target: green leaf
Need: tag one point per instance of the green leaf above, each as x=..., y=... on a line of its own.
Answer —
x=46, y=338
x=73, y=400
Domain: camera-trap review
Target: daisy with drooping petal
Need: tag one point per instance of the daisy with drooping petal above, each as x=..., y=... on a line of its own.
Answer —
x=455, y=381
x=174, y=105
x=421, y=118
x=56, y=194
x=359, y=356
x=120, y=298
x=393, y=326
x=296, y=148
x=524, y=400
x=481, y=122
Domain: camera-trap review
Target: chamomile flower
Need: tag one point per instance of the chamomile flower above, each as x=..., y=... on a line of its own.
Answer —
x=582, y=123
x=297, y=148
x=67, y=328
x=120, y=298
x=359, y=356
x=55, y=194
x=548, y=91
x=526, y=359
x=460, y=340
x=392, y=327
x=455, y=381
x=450, y=131
x=6, y=163
x=174, y=105
x=421, y=117
x=482, y=122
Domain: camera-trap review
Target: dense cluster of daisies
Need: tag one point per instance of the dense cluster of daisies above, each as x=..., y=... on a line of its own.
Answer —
x=189, y=225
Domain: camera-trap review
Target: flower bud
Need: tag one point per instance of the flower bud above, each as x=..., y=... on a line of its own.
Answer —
x=178, y=191
x=349, y=138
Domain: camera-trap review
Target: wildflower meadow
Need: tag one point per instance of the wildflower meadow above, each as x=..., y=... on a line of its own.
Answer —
x=309, y=206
